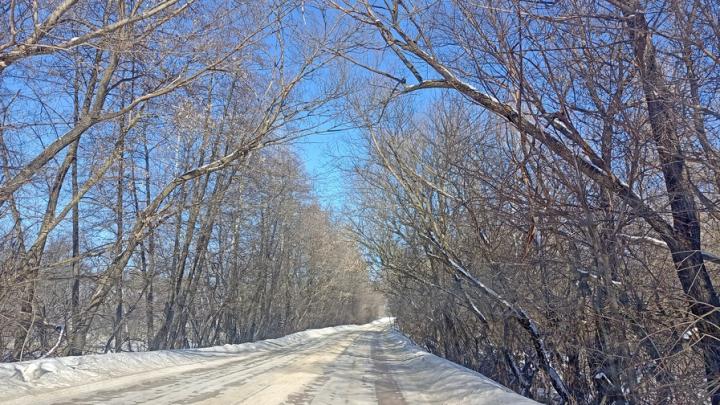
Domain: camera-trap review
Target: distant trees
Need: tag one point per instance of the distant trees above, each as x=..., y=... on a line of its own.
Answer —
x=566, y=221
x=133, y=209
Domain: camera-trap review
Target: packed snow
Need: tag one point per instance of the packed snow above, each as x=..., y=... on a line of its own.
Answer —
x=360, y=363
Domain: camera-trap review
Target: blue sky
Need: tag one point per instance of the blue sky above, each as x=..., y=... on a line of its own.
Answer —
x=326, y=158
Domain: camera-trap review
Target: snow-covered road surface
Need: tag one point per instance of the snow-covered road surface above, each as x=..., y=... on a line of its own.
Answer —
x=367, y=364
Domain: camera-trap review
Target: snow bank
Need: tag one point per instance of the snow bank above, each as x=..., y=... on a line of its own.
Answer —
x=442, y=381
x=18, y=379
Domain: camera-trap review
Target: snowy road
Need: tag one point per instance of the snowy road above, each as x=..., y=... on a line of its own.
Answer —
x=368, y=364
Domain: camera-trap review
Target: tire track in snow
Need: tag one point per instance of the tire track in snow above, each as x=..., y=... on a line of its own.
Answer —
x=368, y=364
x=161, y=388
x=387, y=391
x=310, y=391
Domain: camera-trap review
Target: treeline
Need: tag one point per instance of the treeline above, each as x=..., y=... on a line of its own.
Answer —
x=537, y=189
x=541, y=192
x=146, y=202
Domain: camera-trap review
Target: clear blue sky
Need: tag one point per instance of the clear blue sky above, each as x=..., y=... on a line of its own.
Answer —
x=327, y=158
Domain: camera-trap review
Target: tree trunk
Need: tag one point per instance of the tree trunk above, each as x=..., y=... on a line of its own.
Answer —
x=75, y=294
x=686, y=252
x=119, y=212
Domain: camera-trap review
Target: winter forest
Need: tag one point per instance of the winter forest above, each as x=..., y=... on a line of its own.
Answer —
x=531, y=187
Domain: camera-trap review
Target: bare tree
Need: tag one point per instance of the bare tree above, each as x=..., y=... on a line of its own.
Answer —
x=590, y=90
x=155, y=134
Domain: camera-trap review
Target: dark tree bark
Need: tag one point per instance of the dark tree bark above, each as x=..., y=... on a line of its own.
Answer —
x=687, y=251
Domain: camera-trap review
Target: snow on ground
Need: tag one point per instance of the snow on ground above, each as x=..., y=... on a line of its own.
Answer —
x=66, y=371
x=355, y=363
x=442, y=381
